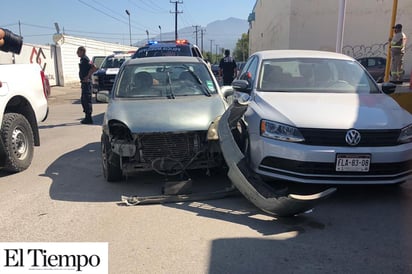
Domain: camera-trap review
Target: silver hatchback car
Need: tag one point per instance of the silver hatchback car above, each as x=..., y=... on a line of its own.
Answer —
x=162, y=116
x=318, y=117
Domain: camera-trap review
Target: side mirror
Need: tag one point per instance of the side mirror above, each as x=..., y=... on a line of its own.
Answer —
x=103, y=96
x=388, y=87
x=242, y=86
x=227, y=91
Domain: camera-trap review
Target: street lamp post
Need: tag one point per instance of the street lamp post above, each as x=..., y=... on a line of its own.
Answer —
x=130, y=28
x=147, y=33
x=160, y=28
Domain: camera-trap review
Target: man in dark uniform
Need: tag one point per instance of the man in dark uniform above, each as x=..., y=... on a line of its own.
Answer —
x=86, y=69
x=227, y=68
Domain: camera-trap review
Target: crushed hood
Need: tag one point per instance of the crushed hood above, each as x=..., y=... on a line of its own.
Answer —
x=166, y=115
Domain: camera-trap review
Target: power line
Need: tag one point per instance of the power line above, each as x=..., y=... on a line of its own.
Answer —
x=155, y=5
x=109, y=15
x=36, y=26
x=141, y=27
x=153, y=8
x=10, y=25
x=188, y=18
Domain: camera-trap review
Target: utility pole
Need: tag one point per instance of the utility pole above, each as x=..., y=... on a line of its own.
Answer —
x=216, y=53
x=389, y=55
x=130, y=28
x=201, y=38
x=196, y=31
x=176, y=12
x=341, y=25
x=19, y=28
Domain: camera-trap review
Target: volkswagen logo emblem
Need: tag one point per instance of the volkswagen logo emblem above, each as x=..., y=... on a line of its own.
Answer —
x=352, y=137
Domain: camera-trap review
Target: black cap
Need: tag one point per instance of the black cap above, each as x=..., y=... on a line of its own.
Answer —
x=398, y=26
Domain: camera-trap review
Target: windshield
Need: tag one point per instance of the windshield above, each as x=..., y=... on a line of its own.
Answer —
x=164, y=80
x=163, y=50
x=114, y=61
x=315, y=75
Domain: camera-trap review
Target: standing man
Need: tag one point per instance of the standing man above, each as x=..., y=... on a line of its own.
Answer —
x=227, y=68
x=86, y=69
x=398, y=43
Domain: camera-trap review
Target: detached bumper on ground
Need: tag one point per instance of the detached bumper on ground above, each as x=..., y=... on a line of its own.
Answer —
x=272, y=201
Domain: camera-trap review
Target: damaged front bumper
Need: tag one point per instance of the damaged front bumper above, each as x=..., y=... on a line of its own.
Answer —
x=249, y=183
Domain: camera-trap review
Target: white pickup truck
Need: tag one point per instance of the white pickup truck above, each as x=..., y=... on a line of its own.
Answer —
x=24, y=90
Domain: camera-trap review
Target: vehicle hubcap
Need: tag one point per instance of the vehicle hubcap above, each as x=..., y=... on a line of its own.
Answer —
x=19, y=142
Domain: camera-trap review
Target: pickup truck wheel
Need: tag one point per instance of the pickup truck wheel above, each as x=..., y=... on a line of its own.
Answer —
x=110, y=161
x=18, y=140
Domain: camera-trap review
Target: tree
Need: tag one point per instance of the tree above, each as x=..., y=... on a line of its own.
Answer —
x=241, y=52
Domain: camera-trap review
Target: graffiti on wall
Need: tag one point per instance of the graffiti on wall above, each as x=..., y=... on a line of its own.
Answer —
x=358, y=51
x=36, y=56
x=374, y=50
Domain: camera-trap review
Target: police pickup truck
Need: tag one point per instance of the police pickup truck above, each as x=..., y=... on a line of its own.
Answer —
x=103, y=78
x=181, y=47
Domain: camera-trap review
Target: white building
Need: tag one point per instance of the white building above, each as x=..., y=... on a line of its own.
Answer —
x=60, y=61
x=313, y=24
x=68, y=65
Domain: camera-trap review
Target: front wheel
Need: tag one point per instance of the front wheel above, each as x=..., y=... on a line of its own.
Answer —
x=110, y=161
x=18, y=140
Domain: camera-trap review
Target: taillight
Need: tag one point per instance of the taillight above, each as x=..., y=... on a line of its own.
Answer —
x=46, y=84
x=95, y=79
x=182, y=42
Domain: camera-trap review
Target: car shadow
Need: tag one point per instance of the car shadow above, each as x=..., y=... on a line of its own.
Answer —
x=364, y=221
x=77, y=176
x=97, y=121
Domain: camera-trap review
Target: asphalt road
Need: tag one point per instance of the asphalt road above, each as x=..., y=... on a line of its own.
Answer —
x=63, y=197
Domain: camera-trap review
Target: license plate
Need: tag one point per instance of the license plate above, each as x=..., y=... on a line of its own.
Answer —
x=353, y=162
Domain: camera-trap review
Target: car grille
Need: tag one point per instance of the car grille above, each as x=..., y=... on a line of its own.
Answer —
x=336, y=137
x=180, y=147
x=311, y=169
x=106, y=82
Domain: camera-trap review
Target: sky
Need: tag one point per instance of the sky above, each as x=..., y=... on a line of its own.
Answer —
x=107, y=20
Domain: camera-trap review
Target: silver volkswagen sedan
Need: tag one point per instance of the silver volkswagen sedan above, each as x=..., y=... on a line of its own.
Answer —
x=319, y=117
x=162, y=116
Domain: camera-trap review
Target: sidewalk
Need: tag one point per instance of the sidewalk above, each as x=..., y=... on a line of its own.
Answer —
x=403, y=95
x=58, y=90
x=70, y=93
x=405, y=87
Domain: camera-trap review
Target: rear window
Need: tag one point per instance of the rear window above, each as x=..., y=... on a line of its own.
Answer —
x=114, y=61
x=163, y=50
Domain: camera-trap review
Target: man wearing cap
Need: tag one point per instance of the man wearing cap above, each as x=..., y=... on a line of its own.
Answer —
x=398, y=43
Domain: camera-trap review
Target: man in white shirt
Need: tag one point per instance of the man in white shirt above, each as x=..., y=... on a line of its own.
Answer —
x=397, y=44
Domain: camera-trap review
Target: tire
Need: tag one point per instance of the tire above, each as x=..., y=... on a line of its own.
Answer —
x=110, y=161
x=18, y=140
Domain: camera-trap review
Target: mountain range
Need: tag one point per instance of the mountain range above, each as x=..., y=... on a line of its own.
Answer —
x=216, y=35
